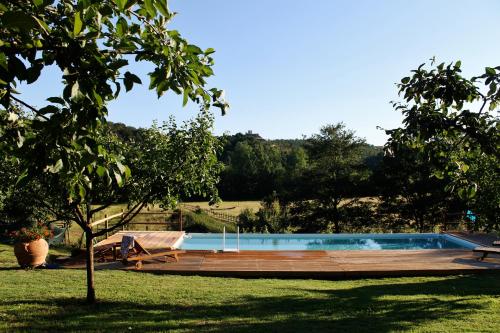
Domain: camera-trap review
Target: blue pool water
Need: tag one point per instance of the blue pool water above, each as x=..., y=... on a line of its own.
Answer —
x=277, y=242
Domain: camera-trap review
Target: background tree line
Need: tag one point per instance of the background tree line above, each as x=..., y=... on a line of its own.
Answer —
x=255, y=168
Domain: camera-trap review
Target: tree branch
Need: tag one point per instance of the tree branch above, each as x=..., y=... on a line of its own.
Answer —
x=58, y=215
x=98, y=209
x=29, y=107
x=80, y=220
x=125, y=219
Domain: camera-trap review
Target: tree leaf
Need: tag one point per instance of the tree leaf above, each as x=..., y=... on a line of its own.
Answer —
x=129, y=80
x=194, y=49
x=101, y=171
x=490, y=71
x=3, y=61
x=186, y=96
x=55, y=168
x=121, y=27
x=81, y=191
x=127, y=172
x=120, y=166
x=57, y=100
x=133, y=77
x=119, y=179
x=78, y=24
x=121, y=4
x=148, y=4
x=22, y=179
x=493, y=88
x=76, y=94
x=439, y=174
x=161, y=5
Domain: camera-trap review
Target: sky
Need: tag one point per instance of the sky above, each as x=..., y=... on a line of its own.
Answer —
x=289, y=67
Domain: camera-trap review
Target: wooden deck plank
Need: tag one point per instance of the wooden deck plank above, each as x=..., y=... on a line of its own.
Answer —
x=327, y=264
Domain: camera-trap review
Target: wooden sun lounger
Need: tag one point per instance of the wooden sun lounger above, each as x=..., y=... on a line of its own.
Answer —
x=139, y=254
x=140, y=258
x=485, y=250
x=102, y=251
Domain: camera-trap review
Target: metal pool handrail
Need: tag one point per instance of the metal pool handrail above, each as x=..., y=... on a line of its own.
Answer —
x=237, y=241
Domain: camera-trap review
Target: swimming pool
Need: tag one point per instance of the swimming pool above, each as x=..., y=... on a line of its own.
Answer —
x=281, y=242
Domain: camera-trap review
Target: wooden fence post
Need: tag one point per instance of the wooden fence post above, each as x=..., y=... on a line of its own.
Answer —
x=123, y=226
x=180, y=219
x=66, y=234
x=106, y=225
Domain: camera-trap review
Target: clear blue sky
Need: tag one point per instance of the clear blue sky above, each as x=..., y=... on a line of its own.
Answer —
x=290, y=67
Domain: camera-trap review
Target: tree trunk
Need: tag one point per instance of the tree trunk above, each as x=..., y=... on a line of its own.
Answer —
x=420, y=224
x=336, y=224
x=90, y=268
x=336, y=217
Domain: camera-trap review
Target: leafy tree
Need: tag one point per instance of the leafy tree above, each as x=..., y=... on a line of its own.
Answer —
x=126, y=133
x=295, y=161
x=93, y=43
x=336, y=168
x=254, y=169
x=173, y=162
x=410, y=195
x=485, y=171
x=449, y=123
x=272, y=217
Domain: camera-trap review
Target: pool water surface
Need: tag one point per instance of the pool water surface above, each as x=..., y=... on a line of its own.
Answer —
x=304, y=242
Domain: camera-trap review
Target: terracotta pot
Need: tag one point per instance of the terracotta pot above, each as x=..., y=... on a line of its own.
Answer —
x=31, y=254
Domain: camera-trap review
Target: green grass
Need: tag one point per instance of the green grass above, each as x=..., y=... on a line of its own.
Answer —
x=201, y=222
x=228, y=207
x=51, y=300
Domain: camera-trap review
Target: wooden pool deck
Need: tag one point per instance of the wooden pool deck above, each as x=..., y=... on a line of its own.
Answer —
x=320, y=264
x=479, y=238
x=307, y=264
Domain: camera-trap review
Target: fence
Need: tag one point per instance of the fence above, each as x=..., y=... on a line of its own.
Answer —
x=141, y=219
x=153, y=221
x=224, y=217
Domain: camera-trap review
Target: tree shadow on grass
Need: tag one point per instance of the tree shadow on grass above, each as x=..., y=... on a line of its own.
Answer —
x=372, y=308
x=11, y=268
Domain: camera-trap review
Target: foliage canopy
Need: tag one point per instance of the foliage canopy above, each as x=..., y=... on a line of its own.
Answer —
x=450, y=125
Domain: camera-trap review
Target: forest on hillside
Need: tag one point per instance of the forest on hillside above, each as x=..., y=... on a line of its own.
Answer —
x=255, y=168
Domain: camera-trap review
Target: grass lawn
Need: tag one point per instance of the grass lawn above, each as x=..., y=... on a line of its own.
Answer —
x=51, y=300
x=229, y=207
